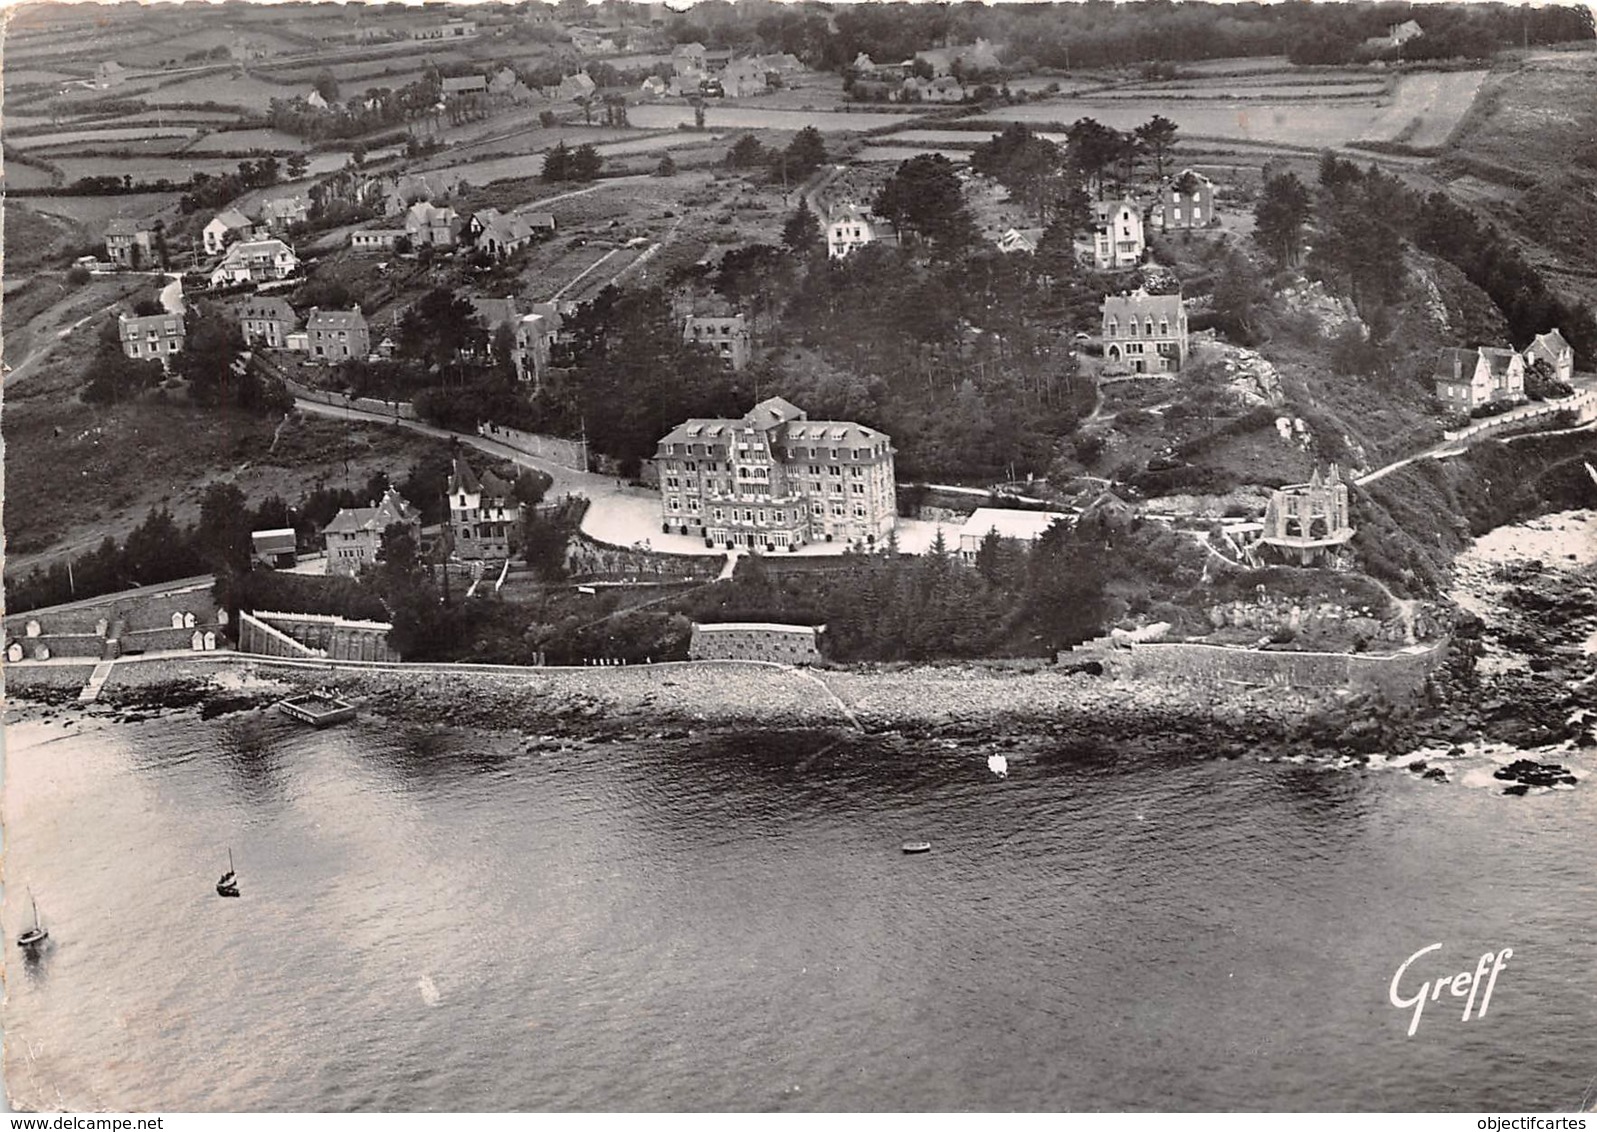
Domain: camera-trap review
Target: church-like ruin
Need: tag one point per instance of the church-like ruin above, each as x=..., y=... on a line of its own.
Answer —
x=1307, y=523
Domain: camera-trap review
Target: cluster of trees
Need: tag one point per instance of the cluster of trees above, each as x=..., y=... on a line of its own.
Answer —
x=208, y=191
x=1360, y=219
x=158, y=550
x=212, y=364
x=373, y=109
x=1103, y=35
x=804, y=154
x=563, y=163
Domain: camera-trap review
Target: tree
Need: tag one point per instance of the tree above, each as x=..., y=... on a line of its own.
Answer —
x=113, y=376
x=924, y=196
x=557, y=163
x=1283, y=209
x=801, y=235
x=667, y=167
x=224, y=529
x=1094, y=147
x=213, y=343
x=298, y=165
x=1239, y=292
x=326, y=85
x=1030, y=167
x=806, y=152
x=440, y=329
x=1158, y=135
x=585, y=163
x=746, y=153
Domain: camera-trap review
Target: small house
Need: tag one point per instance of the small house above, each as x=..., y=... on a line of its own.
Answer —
x=226, y=226
x=1555, y=351
x=1468, y=379
x=274, y=549
x=337, y=336
x=267, y=322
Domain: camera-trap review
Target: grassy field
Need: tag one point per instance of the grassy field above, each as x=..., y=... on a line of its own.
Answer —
x=99, y=137
x=231, y=141
x=228, y=88
x=19, y=176
x=175, y=168
x=94, y=212
x=31, y=237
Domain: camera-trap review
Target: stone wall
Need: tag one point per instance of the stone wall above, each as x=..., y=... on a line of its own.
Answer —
x=398, y=410
x=1309, y=617
x=556, y=450
x=315, y=634
x=1396, y=673
x=588, y=559
x=116, y=624
x=778, y=644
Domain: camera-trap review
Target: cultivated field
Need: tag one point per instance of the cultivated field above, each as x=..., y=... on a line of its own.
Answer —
x=19, y=176
x=94, y=212
x=1419, y=109
x=895, y=153
x=746, y=115
x=174, y=168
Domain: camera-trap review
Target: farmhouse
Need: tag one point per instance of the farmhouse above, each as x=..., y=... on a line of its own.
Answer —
x=1117, y=234
x=1007, y=524
x=150, y=336
x=587, y=41
x=482, y=513
x=257, y=261
x=127, y=244
x=756, y=640
x=852, y=227
x=1145, y=333
x=277, y=213
x=1555, y=351
x=267, y=322
x=1468, y=379
x=727, y=336
x=355, y=535
x=1185, y=201
x=776, y=480
x=574, y=88
x=465, y=88
x=497, y=234
x=744, y=77
x=655, y=87
x=506, y=87
x=337, y=335
x=229, y=224
x=428, y=225
x=1399, y=34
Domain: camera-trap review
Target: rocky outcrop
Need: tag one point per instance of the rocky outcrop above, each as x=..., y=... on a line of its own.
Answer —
x=1333, y=314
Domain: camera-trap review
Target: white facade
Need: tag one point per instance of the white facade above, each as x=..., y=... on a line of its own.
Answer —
x=1117, y=235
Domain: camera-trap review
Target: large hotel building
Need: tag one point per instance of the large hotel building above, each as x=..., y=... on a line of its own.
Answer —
x=776, y=481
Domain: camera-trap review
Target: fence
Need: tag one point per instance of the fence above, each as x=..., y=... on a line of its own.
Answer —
x=1582, y=404
x=313, y=635
x=571, y=454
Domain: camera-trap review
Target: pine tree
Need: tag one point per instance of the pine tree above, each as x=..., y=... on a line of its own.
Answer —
x=802, y=232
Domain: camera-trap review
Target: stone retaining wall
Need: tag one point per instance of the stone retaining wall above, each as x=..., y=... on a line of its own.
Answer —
x=1398, y=673
x=571, y=454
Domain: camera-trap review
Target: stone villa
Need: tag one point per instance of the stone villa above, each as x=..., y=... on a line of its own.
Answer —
x=482, y=513
x=355, y=535
x=1145, y=333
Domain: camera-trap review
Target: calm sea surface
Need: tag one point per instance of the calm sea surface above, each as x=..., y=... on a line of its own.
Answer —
x=435, y=919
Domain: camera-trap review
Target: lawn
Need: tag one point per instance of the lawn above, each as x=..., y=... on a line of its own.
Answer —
x=31, y=237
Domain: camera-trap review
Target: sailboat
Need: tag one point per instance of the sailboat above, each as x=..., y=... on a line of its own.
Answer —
x=228, y=885
x=999, y=765
x=35, y=935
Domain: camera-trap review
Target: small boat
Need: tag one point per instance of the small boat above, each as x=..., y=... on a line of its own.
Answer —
x=35, y=935
x=917, y=846
x=228, y=885
x=999, y=765
x=319, y=709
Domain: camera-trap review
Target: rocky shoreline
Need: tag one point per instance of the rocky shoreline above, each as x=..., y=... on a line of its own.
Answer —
x=1521, y=674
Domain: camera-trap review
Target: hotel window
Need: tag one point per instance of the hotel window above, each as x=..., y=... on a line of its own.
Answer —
x=859, y=512
x=834, y=469
x=719, y=514
x=837, y=509
x=859, y=489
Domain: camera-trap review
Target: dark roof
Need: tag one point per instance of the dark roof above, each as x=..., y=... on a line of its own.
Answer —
x=277, y=309
x=463, y=478
x=1454, y=364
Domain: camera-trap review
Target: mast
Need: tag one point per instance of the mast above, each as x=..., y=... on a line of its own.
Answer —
x=230, y=869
